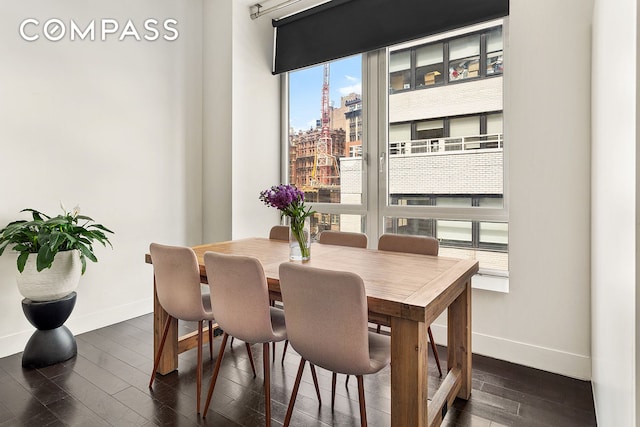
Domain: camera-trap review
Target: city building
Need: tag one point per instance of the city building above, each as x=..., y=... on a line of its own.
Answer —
x=305, y=171
x=446, y=144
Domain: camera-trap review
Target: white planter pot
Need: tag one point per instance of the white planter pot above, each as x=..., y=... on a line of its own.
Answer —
x=51, y=283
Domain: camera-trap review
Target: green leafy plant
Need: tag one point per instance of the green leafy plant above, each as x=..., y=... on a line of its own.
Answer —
x=46, y=236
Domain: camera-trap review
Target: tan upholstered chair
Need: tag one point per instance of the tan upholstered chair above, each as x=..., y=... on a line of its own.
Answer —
x=177, y=279
x=327, y=325
x=343, y=238
x=240, y=301
x=338, y=238
x=422, y=245
x=279, y=232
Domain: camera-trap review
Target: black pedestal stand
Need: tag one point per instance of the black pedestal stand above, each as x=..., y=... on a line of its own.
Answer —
x=52, y=342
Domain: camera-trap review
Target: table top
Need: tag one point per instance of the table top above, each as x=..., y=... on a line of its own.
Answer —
x=411, y=286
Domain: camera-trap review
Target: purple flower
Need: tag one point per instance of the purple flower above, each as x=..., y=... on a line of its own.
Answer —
x=287, y=199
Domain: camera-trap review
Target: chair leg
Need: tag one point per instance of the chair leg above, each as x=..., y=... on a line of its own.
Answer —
x=210, y=340
x=215, y=373
x=346, y=382
x=333, y=389
x=315, y=381
x=363, y=408
x=294, y=393
x=160, y=348
x=267, y=387
x=284, y=351
x=250, y=354
x=231, y=345
x=199, y=369
x=435, y=350
x=273, y=350
x=378, y=329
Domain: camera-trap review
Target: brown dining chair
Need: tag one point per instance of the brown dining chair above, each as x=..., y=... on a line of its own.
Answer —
x=422, y=245
x=240, y=301
x=279, y=232
x=343, y=238
x=177, y=280
x=327, y=325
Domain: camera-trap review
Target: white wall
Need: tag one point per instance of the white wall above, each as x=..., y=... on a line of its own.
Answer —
x=614, y=212
x=256, y=123
x=544, y=320
x=217, y=115
x=114, y=126
x=242, y=108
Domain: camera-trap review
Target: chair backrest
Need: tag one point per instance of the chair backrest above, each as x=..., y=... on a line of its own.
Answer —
x=279, y=232
x=343, y=238
x=239, y=296
x=422, y=245
x=177, y=278
x=326, y=316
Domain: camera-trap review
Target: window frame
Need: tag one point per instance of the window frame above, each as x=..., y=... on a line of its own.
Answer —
x=326, y=208
x=431, y=212
x=374, y=206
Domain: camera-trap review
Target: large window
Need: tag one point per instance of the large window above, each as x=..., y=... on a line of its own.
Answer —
x=444, y=172
x=325, y=130
x=408, y=162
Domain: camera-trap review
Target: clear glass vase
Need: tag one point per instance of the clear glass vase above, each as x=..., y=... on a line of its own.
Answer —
x=299, y=239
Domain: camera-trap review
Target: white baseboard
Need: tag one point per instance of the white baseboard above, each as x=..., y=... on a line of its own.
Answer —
x=548, y=359
x=15, y=343
x=100, y=319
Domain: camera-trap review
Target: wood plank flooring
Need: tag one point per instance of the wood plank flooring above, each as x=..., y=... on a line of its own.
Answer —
x=106, y=385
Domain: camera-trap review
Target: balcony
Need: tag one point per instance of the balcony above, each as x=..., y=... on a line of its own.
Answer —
x=447, y=145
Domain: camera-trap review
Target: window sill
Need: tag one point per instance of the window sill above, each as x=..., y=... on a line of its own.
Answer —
x=491, y=282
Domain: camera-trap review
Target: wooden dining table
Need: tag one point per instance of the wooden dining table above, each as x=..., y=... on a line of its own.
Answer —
x=404, y=291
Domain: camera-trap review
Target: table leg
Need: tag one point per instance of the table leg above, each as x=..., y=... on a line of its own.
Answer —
x=169, y=359
x=409, y=379
x=459, y=339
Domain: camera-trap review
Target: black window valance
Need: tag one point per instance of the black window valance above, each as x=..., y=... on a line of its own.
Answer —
x=341, y=28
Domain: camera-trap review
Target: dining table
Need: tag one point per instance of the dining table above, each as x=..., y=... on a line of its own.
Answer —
x=406, y=292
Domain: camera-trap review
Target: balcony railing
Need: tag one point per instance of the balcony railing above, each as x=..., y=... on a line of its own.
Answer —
x=449, y=144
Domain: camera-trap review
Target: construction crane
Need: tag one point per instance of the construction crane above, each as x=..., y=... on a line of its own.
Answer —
x=325, y=167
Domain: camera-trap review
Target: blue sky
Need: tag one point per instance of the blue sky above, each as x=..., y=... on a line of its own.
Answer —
x=305, y=89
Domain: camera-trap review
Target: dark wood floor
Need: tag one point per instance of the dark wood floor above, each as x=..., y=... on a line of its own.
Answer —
x=106, y=384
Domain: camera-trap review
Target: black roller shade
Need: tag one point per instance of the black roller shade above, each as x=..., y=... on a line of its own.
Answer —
x=341, y=28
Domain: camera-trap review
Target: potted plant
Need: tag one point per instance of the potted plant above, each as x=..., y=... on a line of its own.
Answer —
x=53, y=251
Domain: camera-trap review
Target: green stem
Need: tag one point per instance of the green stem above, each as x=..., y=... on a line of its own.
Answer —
x=297, y=228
